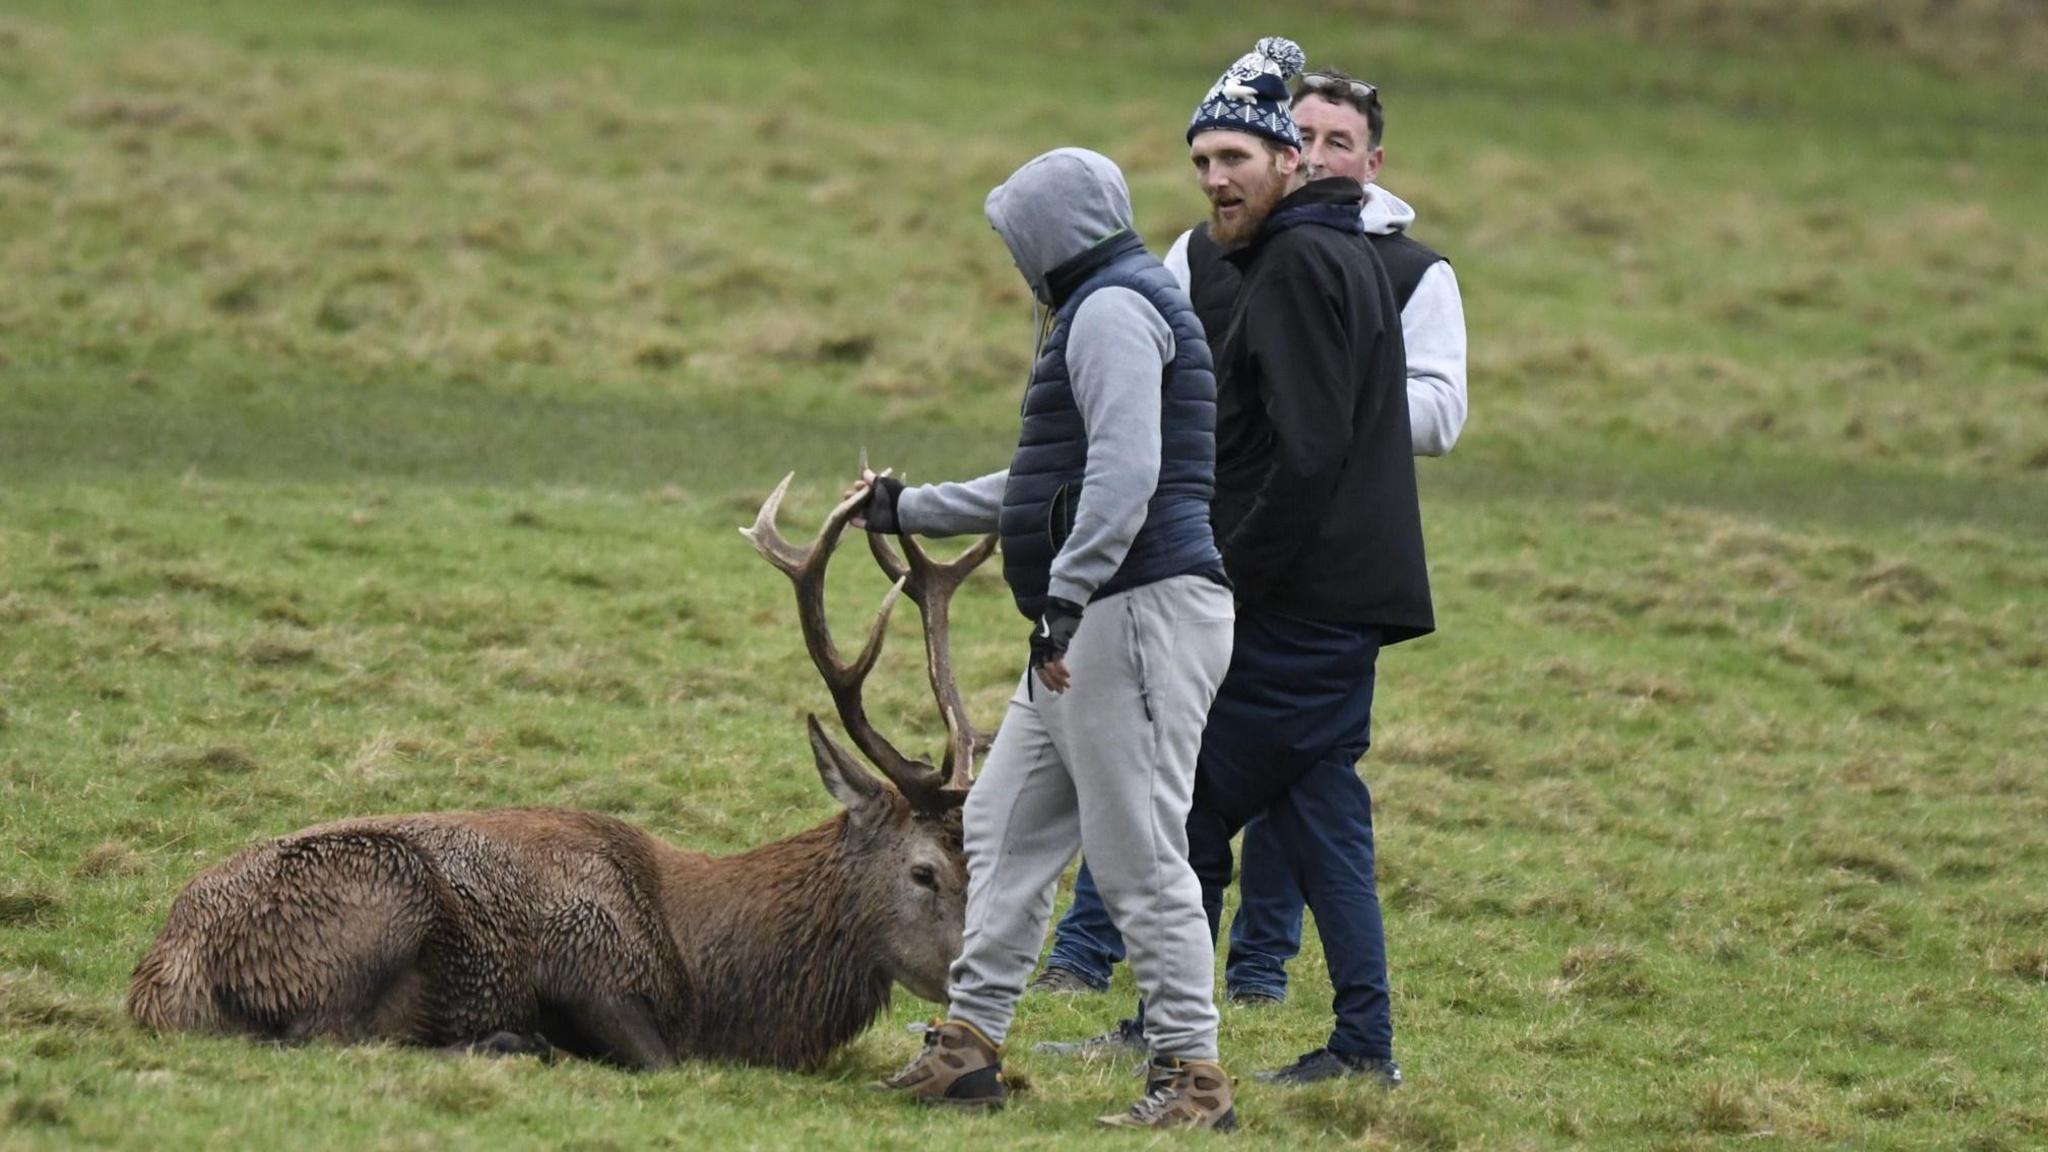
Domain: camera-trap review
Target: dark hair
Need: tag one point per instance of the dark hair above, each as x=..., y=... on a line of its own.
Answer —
x=1343, y=88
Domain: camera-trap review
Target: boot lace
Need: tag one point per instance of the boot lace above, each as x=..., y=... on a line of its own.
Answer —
x=931, y=1040
x=1161, y=1095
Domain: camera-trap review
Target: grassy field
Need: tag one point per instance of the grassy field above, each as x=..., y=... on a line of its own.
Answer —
x=380, y=385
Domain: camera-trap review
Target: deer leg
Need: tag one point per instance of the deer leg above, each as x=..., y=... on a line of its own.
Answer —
x=602, y=972
x=617, y=1029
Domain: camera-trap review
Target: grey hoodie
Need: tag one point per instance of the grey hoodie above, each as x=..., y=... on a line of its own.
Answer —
x=1048, y=212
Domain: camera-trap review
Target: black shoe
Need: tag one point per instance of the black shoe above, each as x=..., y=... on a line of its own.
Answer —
x=1063, y=982
x=1255, y=997
x=1128, y=1036
x=1325, y=1064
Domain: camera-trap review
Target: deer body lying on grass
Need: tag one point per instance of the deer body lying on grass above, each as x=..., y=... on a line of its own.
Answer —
x=536, y=929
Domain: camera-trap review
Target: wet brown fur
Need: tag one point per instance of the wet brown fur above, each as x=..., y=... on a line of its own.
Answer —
x=451, y=928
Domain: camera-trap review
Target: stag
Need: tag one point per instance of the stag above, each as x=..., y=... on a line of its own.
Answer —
x=542, y=930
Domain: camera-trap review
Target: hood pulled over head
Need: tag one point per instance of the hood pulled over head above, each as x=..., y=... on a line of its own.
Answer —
x=1056, y=207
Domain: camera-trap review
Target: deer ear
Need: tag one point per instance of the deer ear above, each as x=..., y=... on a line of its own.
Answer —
x=845, y=778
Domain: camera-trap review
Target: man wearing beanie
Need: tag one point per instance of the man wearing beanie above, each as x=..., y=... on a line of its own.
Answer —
x=1317, y=517
x=1342, y=124
x=1104, y=518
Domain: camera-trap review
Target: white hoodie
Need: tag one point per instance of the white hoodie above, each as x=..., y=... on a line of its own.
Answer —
x=1432, y=329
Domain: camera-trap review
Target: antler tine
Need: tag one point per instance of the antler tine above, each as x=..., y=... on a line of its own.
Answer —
x=892, y=564
x=926, y=575
x=768, y=540
x=805, y=567
x=877, y=632
x=930, y=585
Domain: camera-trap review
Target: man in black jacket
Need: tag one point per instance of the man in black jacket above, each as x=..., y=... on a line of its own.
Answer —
x=1341, y=122
x=1317, y=518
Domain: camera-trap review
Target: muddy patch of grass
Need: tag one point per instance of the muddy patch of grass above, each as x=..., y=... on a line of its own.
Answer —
x=1899, y=582
x=111, y=858
x=284, y=612
x=1606, y=971
x=26, y=906
x=2029, y=964
x=1720, y=1108
x=30, y=1110
x=204, y=583
x=274, y=652
x=1866, y=858
x=31, y=1002
x=187, y=770
x=221, y=759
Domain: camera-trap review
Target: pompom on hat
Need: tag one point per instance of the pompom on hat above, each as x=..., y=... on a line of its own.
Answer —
x=1251, y=96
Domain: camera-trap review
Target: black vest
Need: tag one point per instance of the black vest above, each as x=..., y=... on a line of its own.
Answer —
x=1212, y=280
x=1044, y=489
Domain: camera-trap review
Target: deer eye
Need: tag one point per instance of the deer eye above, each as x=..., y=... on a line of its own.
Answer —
x=924, y=874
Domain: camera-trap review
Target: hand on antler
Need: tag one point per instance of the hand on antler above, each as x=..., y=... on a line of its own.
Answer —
x=866, y=479
x=878, y=513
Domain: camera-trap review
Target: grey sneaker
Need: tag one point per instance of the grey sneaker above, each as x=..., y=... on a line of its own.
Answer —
x=1255, y=997
x=1325, y=1064
x=1127, y=1037
x=1061, y=982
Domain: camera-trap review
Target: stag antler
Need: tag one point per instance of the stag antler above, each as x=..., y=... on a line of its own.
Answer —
x=930, y=587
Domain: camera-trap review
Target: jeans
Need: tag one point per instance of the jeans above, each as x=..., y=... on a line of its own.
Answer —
x=1292, y=719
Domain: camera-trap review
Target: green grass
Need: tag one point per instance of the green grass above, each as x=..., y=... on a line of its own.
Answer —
x=380, y=386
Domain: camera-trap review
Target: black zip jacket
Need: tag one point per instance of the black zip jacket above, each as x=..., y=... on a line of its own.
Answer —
x=1315, y=509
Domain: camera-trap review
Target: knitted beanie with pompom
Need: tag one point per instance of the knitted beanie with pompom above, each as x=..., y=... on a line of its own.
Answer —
x=1252, y=96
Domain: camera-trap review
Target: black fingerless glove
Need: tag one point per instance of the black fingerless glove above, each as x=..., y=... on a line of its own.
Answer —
x=880, y=512
x=1054, y=631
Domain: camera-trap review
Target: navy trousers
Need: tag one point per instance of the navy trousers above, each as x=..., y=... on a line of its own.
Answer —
x=1264, y=935
x=1086, y=942
x=1266, y=932
x=1284, y=738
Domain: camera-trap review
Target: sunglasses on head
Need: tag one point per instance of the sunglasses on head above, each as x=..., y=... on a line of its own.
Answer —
x=1357, y=90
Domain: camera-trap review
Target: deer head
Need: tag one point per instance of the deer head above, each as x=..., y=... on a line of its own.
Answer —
x=903, y=835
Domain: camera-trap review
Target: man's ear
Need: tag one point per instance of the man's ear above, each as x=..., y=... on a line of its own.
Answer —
x=1288, y=161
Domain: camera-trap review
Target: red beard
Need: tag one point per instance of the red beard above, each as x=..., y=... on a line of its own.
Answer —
x=1257, y=205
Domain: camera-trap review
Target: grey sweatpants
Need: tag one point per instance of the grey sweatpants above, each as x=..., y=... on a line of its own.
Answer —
x=1108, y=766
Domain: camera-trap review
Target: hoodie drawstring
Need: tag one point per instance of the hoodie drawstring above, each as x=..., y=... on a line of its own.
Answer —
x=1041, y=323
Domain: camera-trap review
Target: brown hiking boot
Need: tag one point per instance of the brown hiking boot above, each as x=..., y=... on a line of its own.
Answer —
x=958, y=1068
x=1180, y=1094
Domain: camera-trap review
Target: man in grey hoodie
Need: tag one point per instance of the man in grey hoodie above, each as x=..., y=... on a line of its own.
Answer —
x=1104, y=517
